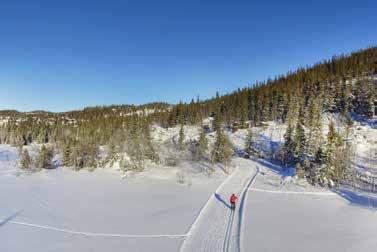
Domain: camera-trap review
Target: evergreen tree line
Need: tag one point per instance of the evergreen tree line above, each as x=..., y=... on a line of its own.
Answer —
x=339, y=85
x=299, y=99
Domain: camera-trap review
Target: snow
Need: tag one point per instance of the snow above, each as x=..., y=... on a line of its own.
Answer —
x=299, y=217
x=161, y=135
x=60, y=210
x=266, y=139
x=65, y=210
x=217, y=228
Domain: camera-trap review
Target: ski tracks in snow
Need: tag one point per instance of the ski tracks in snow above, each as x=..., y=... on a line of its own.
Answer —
x=89, y=234
x=217, y=228
x=228, y=232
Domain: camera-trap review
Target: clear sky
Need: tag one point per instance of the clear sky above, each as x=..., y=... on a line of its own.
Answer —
x=63, y=55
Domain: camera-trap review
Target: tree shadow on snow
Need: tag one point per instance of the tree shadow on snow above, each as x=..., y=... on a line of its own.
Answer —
x=289, y=171
x=218, y=197
x=358, y=198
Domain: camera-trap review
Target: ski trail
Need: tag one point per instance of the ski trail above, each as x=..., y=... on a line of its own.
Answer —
x=92, y=234
x=217, y=228
x=228, y=232
x=294, y=192
x=242, y=212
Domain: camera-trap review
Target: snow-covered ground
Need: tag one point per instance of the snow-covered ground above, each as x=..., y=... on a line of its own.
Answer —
x=294, y=216
x=64, y=210
x=218, y=228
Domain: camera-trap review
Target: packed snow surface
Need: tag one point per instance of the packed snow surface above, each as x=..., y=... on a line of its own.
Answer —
x=64, y=210
x=298, y=217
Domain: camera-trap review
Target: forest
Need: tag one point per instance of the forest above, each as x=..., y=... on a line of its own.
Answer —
x=343, y=85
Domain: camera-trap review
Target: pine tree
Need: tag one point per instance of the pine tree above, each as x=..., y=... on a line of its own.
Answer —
x=67, y=155
x=299, y=170
x=134, y=145
x=45, y=158
x=287, y=154
x=25, y=160
x=293, y=110
x=315, y=126
x=221, y=152
x=148, y=149
x=300, y=140
x=249, y=149
x=364, y=97
x=202, y=146
x=217, y=121
x=329, y=171
x=112, y=155
x=181, y=139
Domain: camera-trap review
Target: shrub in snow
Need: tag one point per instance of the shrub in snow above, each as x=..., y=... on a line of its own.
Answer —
x=180, y=177
x=127, y=174
x=171, y=160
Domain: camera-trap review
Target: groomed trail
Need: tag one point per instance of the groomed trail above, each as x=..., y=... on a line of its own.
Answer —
x=217, y=228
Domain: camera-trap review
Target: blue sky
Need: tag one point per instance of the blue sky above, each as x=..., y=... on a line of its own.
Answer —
x=63, y=55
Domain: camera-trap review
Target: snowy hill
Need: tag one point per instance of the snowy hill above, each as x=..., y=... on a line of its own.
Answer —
x=299, y=151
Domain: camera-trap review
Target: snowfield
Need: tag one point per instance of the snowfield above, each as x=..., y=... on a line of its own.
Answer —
x=295, y=217
x=64, y=210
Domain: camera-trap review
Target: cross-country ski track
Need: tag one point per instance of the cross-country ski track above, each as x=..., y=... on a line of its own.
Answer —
x=217, y=228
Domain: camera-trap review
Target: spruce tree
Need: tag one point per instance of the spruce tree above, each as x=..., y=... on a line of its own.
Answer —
x=289, y=147
x=112, y=155
x=45, y=158
x=134, y=145
x=25, y=160
x=314, y=125
x=221, y=152
x=329, y=171
x=181, y=139
x=249, y=149
x=202, y=146
x=148, y=149
x=67, y=155
x=300, y=139
x=217, y=121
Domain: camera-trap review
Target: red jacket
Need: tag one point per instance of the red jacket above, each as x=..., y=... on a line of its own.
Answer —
x=233, y=199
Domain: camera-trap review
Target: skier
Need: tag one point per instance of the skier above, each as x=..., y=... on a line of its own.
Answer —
x=233, y=200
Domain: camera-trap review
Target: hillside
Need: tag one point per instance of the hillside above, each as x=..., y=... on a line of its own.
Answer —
x=343, y=88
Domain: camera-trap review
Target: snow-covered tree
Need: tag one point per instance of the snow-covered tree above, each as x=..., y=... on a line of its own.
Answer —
x=300, y=140
x=221, y=152
x=314, y=125
x=287, y=152
x=330, y=155
x=202, y=146
x=112, y=155
x=364, y=97
x=148, y=149
x=45, y=158
x=249, y=143
x=67, y=154
x=181, y=139
x=25, y=160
